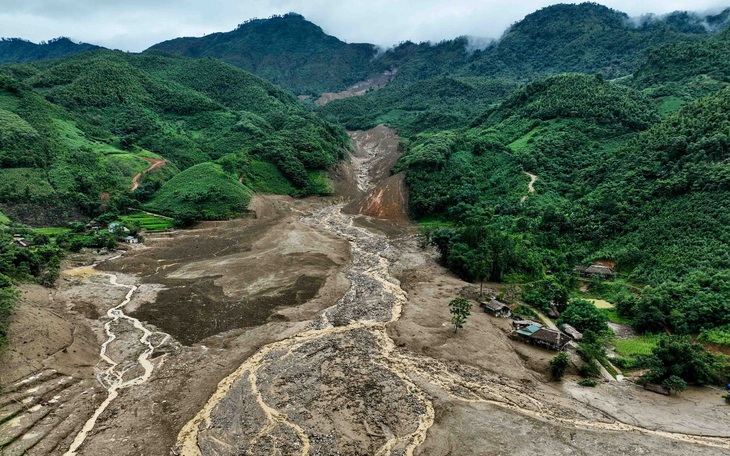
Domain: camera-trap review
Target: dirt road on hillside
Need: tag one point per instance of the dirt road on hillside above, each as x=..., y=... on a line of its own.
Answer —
x=530, y=186
x=155, y=163
x=310, y=329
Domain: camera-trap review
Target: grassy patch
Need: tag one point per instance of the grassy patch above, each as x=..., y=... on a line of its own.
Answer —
x=149, y=222
x=614, y=317
x=669, y=105
x=601, y=304
x=52, y=232
x=320, y=183
x=718, y=336
x=642, y=345
x=264, y=177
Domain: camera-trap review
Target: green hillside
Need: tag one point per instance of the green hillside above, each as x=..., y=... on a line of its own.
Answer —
x=202, y=190
x=82, y=127
x=614, y=183
x=443, y=85
x=15, y=50
x=286, y=50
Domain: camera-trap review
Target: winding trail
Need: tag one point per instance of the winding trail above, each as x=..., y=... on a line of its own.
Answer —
x=530, y=186
x=154, y=164
x=112, y=378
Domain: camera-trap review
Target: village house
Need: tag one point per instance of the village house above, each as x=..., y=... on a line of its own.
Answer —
x=595, y=270
x=519, y=324
x=540, y=336
x=497, y=308
x=94, y=226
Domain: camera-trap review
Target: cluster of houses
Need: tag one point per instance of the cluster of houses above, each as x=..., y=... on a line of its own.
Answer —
x=113, y=228
x=532, y=332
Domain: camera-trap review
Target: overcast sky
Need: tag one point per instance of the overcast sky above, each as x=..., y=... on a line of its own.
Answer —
x=134, y=25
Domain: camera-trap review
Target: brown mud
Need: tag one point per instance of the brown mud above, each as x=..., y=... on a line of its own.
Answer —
x=318, y=327
x=356, y=90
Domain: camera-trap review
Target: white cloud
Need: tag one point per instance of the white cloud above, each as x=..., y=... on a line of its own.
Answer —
x=136, y=24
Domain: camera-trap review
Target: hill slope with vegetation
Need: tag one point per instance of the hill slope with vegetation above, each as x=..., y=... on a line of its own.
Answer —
x=286, y=50
x=443, y=85
x=16, y=50
x=91, y=121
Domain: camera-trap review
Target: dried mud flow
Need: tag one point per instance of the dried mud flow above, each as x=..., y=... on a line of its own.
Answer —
x=320, y=327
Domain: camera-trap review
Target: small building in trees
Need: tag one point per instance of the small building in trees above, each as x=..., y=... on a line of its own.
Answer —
x=551, y=339
x=94, y=225
x=595, y=270
x=497, y=308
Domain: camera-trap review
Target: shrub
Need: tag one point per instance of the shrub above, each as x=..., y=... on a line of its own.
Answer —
x=558, y=365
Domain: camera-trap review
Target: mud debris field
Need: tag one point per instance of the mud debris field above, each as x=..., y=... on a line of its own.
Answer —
x=318, y=327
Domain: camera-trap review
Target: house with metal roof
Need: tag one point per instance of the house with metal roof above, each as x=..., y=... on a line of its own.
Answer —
x=549, y=338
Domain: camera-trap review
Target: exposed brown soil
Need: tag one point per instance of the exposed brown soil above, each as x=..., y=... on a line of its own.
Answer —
x=155, y=163
x=310, y=331
x=376, y=193
x=359, y=89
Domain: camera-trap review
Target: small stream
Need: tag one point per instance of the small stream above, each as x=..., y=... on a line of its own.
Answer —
x=112, y=378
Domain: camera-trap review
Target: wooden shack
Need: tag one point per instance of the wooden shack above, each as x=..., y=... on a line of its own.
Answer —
x=497, y=308
x=595, y=270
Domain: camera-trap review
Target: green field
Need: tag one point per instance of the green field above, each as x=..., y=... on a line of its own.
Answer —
x=53, y=231
x=149, y=222
x=642, y=345
x=601, y=304
x=614, y=317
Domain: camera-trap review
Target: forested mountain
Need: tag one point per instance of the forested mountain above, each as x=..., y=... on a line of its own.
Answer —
x=441, y=86
x=615, y=183
x=18, y=50
x=286, y=50
x=299, y=56
x=87, y=124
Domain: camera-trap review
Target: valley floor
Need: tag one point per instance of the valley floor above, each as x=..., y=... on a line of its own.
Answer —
x=307, y=330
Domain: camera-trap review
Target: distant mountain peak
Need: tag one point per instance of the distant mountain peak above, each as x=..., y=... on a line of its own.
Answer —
x=13, y=50
x=286, y=49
